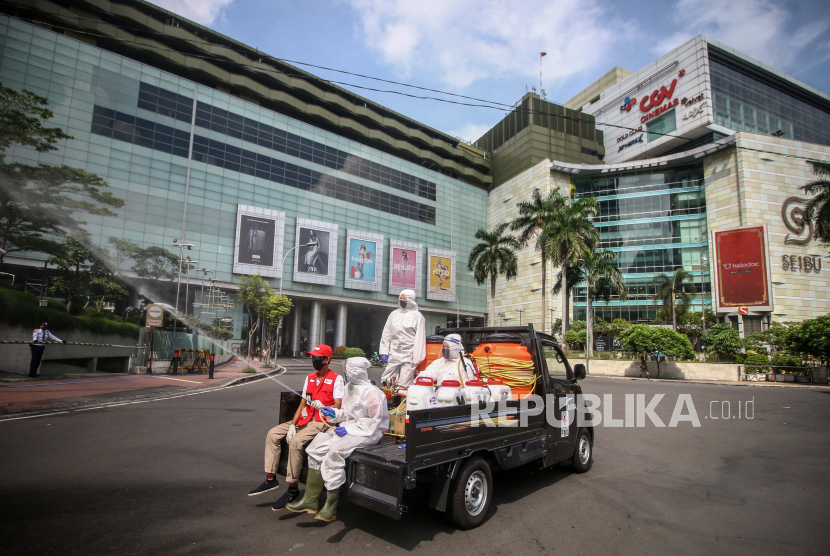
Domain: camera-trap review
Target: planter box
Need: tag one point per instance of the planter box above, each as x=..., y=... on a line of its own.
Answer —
x=801, y=378
x=771, y=377
x=785, y=378
x=756, y=377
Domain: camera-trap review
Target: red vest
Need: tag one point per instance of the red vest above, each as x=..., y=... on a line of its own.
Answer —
x=323, y=392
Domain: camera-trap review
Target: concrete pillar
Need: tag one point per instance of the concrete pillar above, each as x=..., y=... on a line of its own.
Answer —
x=296, y=330
x=323, y=322
x=314, y=324
x=340, y=325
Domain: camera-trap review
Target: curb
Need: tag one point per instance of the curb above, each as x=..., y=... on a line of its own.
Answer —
x=66, y=407
x=716, y=382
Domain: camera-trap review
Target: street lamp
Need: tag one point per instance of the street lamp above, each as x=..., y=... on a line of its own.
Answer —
x=181, y=245
x=589, y=329
x=500, y=315
x=205, y=272
x=457, y=308
x=520, y=311
x=703, y=261
x=551, y=310
x=187, y=287
x=469, y=320
x=282, y=271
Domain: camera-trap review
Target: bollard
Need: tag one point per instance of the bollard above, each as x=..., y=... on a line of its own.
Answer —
x=175, y=362
x=210, y=371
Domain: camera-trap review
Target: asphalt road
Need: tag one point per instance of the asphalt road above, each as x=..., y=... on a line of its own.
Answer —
x=171, y=477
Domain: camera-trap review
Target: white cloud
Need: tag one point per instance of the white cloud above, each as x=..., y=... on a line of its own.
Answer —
x=200, y=11
x=758, y=28
x=463, y=41
x=470, y=131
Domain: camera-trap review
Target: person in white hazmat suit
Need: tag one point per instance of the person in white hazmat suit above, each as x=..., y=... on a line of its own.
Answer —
x=450, y=366
x=361, y=421
x=403, y=344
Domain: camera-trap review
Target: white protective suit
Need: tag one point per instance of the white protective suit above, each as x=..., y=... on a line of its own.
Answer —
x=445, y=368
x=364, y=416
x=404, y=340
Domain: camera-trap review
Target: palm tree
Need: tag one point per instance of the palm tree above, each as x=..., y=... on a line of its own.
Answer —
x=533, y=217
x=568, y=236
x=818, y=208
x=495, y=256
x=603, y=278
x=670, y=289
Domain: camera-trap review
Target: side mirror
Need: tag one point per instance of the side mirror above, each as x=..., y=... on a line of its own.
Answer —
x=579, y=371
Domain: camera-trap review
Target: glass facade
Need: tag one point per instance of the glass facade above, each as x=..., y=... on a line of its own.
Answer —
x=662, y=125
x=655, y=221
x=745, y=103
x=131, y=125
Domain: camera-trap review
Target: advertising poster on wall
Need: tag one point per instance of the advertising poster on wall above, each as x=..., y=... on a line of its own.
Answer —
x=742, y=275
x=259, y=240
x=405, y=266
x=314, y=258
x=441, y=275
x=364, y=260
x=316, y=255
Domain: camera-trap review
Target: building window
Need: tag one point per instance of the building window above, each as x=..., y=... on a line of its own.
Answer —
x=661, y=125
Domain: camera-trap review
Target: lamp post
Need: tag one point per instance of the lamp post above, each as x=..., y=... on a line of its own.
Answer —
x=520, y=311
x=551, y=310
x=181, y=245
x=703, y=261
x=187, y=287
x=457, y=308
x=279, y=325
x=469, y=321
x=500, y=315
x=205, y=272
x=589, y=328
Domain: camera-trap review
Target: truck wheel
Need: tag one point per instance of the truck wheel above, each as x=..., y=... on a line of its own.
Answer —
x=471, y=494
x=584, y=452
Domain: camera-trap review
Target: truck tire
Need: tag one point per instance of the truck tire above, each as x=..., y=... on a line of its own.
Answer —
x=584, y=452
x=471, y=494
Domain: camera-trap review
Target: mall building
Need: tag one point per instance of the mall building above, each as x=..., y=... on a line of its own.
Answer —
x=265, y=168
x=705, y=152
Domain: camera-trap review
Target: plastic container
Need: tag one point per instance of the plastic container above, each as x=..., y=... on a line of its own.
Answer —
x=476, y=392
x=434, y=344
x=449, y=392
x=421, y=395
x=508, y=346
x=499, y=391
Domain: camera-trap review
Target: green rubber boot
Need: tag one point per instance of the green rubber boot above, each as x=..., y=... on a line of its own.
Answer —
x=329, y=509
x=310, y=502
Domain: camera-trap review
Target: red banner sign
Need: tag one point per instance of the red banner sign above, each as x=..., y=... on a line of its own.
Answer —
x=742, y=267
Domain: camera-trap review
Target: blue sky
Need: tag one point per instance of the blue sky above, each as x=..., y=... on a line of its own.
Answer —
x=490, y=48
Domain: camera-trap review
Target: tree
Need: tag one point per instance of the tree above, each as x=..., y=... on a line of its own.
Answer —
x=577, y=334
x=818, y=208
x=254, y=292
x=156, y=263
x=124, y=250
x=812, y=338
x=78, y=265
x=603, y=279
x=495, y=256
x=646, y=340
x=691, y=323
x=37, y=202
x=108, y=288
x=568, y=236
x=679, y=286
x=723, y=340
x=617, y=326
x=533, y=217
x=274, y=308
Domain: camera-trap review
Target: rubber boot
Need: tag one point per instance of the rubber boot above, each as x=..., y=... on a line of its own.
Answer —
x=310, y=502
x=329, y=510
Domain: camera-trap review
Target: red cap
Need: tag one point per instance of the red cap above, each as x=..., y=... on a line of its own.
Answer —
x=474, y=383
x=423, y=381
x=321, y=351
x=450, y=383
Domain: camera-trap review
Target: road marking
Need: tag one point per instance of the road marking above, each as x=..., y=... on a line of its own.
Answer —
x=105, y=406
x=179, y=379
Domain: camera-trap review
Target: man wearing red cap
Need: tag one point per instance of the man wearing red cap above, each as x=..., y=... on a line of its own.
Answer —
x=323, y=386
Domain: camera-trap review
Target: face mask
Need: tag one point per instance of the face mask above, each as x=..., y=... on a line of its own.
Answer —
x=318, y=362
x=445, y=352
x=402, y=303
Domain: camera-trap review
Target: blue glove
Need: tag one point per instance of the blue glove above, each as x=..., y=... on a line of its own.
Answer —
x=327, y=411
x=340, y=431
x=384, y=358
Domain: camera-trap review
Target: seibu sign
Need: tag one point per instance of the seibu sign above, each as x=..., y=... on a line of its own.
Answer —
x=655, y=99
x=742, y=270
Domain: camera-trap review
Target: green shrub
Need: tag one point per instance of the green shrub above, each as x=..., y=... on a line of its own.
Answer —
x=338, y=351
x=353, y=352
x=576, y=336
x=21, y=309
x=756, y=359
x=786, y=361
x=642, y=338
x=723, y=340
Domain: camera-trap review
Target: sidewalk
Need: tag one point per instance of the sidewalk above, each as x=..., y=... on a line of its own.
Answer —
x=718, y=382
x=19, y=393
